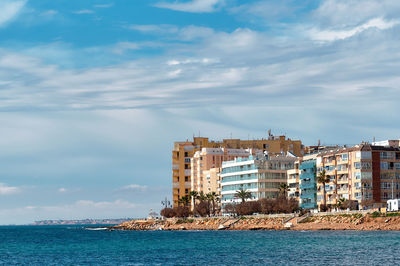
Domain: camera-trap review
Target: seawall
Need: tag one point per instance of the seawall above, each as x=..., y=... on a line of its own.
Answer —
x=355, y=221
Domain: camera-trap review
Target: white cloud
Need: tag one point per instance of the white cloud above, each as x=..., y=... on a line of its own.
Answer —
x=62, y=190
x=194, y=6
x=49, y=13
x=7, y=190
x=84, y=11
x=161, y=28
x=121, y=47
x=332, y=35
x=104, y=5
x=9, y=10
x=345, y=13
x=134, y=187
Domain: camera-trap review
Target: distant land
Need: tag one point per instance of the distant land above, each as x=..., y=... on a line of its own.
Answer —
x=79, y=222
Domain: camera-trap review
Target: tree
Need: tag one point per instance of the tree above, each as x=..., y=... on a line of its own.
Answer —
x=184, y=201
x=194, y=194
x=283, y=189
x=168, y=212
x=323, y=179
x=202, y=196
x=243, y=194
x=203, y=208
x=340, y=203
x=213, y=197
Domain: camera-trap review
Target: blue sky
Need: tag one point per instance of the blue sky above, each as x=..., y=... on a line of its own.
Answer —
x=93, y=93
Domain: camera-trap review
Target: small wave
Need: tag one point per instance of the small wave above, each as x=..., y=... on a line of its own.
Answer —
x=97, y=228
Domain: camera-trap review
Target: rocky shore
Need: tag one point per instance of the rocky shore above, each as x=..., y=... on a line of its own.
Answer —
x=358, y=221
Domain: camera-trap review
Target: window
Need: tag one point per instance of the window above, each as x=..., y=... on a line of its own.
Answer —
x=186, y=154
x=357, y=165
x=386, y=185
x=384, y=165
x=186, y=191
x=357, y=175
x=387, y=155
x=187, y=166
x=365, y=165
x=186, y=178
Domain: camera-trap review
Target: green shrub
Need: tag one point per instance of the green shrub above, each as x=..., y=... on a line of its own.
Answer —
x=392, y=214
x=375, y=214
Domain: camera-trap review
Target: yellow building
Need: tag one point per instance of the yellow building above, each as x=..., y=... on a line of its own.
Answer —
x=184, y=151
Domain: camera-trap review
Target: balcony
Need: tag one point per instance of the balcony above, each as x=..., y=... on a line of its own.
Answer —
x=307, y=195
x=307, y=176
x=308, y=205
x=307, y=165
x=308, y=185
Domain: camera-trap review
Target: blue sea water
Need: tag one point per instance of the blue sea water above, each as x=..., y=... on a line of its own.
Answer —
x=64, y=245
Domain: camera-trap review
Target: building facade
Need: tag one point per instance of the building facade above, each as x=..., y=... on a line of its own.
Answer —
x=364, y=173
x=207, y=159
x=308, y=183
x=183, y=152
x=259, y=174
x=293, y=181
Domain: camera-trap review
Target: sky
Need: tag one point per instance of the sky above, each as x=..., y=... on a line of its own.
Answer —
x=94, y=93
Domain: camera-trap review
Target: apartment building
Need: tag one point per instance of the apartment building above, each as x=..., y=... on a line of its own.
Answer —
x=183, y=152
x=366, y=173
x=207, y=159
x=293, y=181
x=308, y=182
x=259, y=174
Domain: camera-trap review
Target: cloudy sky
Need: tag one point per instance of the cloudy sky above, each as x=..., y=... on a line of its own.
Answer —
x=94, y=92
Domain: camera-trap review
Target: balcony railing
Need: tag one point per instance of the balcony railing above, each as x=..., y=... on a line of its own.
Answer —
x=308, y=185
x=307, y=176
x=308, y=205
x=307, y=165
x=307, y=195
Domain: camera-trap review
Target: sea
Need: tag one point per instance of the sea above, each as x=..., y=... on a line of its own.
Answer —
x=76, y=245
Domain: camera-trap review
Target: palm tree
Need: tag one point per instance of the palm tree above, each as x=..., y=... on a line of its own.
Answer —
x=202, y=196
x=323, y=179
x=212, y=196
x=243, y=194
x=184, y=200
x=283, y=188
x=194, y=194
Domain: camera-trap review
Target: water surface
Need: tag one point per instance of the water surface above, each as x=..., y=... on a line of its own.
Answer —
x=65, y=245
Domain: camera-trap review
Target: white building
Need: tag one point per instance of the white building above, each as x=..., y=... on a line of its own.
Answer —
x=262, y=175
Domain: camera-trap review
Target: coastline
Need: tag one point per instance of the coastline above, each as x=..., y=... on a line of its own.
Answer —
x=355, y=221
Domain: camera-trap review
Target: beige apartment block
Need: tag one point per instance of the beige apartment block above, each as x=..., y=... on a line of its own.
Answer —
x=293, y=181
x=209, y=158
x=183, y=152
x=366, y=173
x=212, y=181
